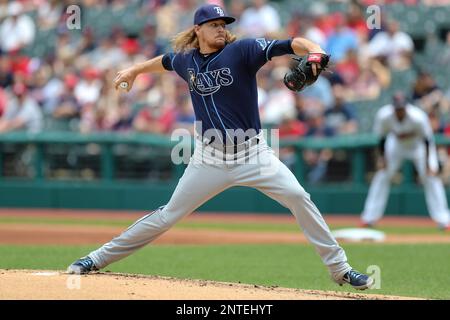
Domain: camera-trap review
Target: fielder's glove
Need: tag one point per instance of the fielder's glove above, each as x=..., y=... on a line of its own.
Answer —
x=302, y=75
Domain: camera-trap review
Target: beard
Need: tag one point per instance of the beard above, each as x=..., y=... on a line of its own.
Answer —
x=218, y=43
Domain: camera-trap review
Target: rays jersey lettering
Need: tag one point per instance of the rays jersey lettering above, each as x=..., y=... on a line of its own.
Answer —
x=208, y=83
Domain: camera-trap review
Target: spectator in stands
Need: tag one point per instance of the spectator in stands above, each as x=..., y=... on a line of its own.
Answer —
x=236, y=9
x=21, y=65
x=366, y=87
x=117, y=5
x=260, y=20
x=65, y=50
x=174, y=16
x=49, y=14
x=91, y=119
x=3, y=9
x=6, y=73
x=444, y=56
x=67, y=105
x=130, y=45
x=3, y=101
x=300, y=110
x=39, y=78
x=318, y=96
x=123, y=119
x=394, y=45
x=341, y=40
x=316, y=125
x=50, y=91
x=317, y=160
x=428, y=95
x=66, y=97
x=107, y=55
x=295, y=25
x=341, y=117
x=95, y=118
x=88, y=89
x=22, y=112
x=432, y=3
x=437, y=122
x=348, y=68
x=292, y=129
x=18, y=30
x=362, y=81
x=280, y=100
x=356, y=20
x=184, y=115
x=111, y=112
x=150, y=41
x=155, y=117
x=365, y=77
x=87, y=41
x=377, y=2
x=446, y=99
x=322, y=20
x=304, y=25
x=264, y=83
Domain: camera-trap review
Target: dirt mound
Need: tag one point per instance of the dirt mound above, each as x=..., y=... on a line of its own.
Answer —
x=56, y=285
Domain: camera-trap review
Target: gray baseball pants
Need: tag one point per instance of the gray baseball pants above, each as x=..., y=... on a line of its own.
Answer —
x=206, y=176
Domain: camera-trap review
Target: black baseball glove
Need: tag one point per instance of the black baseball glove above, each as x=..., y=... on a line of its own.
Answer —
x=302, y=75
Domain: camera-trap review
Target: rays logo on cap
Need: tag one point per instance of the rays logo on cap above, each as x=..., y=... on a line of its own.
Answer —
x=219, y=11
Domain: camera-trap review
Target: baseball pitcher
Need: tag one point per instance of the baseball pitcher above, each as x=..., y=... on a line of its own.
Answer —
x=221, y=74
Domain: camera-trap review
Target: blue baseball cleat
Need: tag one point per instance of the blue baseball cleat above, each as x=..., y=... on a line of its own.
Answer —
x=82, y=266
x=357, y=280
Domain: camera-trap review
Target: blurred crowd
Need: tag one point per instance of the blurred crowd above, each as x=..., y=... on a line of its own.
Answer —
x=70, y=87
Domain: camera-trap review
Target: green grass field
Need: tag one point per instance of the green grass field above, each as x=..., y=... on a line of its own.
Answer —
x=406, y=270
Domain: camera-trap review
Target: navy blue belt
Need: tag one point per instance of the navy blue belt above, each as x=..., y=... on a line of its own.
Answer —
x=234, y=148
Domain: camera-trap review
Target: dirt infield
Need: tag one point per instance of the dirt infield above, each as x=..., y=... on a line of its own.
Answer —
x=76, y=235
x=31, y=233
x=54, y=285
x=407, y=221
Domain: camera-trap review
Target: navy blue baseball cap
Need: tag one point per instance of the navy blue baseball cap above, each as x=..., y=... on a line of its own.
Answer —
x=210, y=12
x=399, y=100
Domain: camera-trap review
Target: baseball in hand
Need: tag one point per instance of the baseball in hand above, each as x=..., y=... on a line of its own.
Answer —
x=123, y=85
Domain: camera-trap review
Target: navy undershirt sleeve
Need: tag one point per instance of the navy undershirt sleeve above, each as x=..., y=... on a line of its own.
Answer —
x=167, y=61
x=281, y=47
x=256, y=52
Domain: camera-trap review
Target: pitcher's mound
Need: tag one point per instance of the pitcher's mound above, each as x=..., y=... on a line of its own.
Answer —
x=57, y=285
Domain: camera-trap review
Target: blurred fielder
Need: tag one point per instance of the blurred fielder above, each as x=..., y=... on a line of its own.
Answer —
x=405, y=134
x=230, y=149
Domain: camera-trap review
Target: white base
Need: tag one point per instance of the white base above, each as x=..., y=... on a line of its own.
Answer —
x=359, y=234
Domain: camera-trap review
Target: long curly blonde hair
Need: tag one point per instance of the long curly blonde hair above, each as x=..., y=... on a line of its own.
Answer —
x=187, y=40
